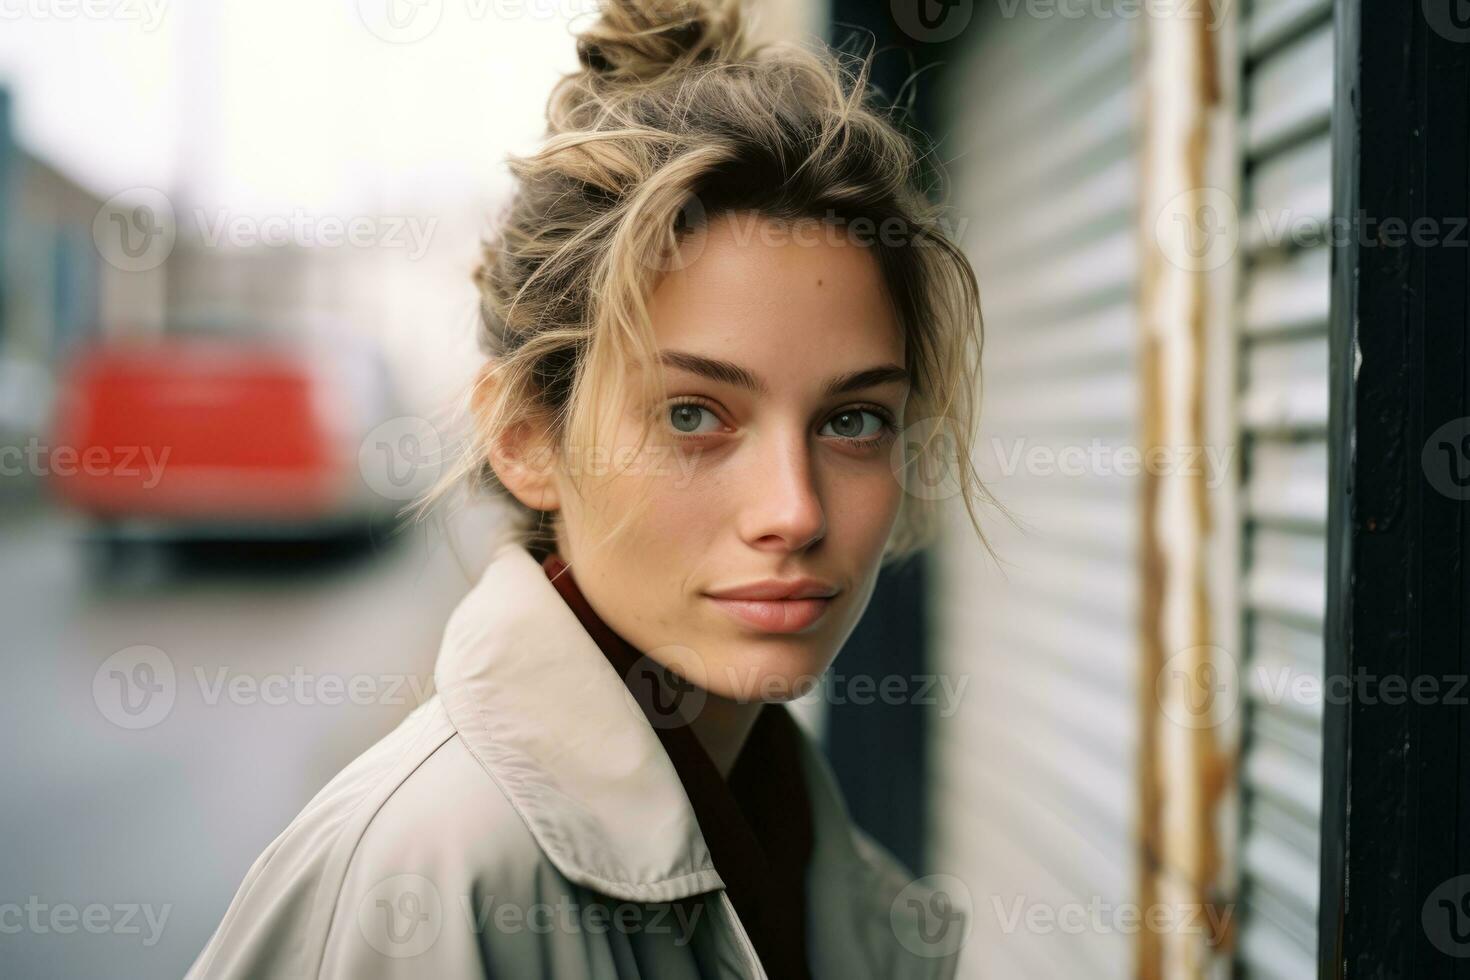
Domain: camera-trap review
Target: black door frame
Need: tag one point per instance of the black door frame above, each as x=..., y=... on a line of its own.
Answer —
x=1396, y=759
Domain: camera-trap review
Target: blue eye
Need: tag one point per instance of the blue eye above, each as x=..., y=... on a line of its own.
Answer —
x=685, y=418
x=862, y=426
x=850, y=424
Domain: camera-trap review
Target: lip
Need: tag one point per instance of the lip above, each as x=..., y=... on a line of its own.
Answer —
x=774, y=588
x=774, y=615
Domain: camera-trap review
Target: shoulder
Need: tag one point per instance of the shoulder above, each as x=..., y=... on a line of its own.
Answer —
x=447, y=816
x=929, y=916
x=376, y=869
x=913, y=926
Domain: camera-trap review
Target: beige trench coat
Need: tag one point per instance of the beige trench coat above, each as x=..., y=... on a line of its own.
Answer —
x=526, y=822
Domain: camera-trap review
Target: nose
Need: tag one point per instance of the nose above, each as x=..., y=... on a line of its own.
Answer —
x=783, y=509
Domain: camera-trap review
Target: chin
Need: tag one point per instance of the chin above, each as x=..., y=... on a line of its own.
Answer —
x=767, y=672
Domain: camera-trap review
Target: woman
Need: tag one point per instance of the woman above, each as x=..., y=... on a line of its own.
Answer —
x=717, y=303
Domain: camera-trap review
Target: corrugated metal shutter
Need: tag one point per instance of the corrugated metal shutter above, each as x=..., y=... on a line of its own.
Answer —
x=1283, y=424
x=1035, y=774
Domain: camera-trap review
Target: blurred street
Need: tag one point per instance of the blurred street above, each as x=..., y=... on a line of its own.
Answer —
x=245, y=248
x=161, y=822
x=228, y=343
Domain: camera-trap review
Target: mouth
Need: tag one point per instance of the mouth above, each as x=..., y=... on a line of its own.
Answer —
x=774, y=615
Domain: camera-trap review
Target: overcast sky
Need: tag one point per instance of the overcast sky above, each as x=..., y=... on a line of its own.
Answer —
x=261, y=105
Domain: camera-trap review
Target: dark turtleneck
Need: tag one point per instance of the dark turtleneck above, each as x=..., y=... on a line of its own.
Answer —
x=757, y=823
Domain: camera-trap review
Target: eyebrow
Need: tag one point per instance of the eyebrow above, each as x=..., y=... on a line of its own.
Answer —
x=730, y=373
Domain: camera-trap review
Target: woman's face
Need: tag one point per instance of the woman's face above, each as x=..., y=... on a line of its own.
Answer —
x=769, y=463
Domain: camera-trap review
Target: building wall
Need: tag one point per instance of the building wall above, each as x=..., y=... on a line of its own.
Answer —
x=1281, y=331
x=1034, y=784
x=1070, y=776
x=48, y=291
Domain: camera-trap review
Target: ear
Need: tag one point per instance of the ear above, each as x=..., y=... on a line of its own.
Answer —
x=524, y=458
x=525, y=462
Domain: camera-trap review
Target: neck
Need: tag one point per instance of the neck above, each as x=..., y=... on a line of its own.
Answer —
x=722, y=727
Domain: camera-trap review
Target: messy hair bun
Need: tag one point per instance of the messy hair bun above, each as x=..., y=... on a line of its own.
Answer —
x=639, y=41
x=676, y=117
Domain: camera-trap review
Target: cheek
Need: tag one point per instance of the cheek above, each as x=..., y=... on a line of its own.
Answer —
x=684, y=516
x=673, y=502
x=654, y=489
x=865, y=502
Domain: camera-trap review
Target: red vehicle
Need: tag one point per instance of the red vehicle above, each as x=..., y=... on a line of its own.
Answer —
x=203, y=435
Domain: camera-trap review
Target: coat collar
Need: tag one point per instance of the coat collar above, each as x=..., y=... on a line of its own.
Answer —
x=538, y=704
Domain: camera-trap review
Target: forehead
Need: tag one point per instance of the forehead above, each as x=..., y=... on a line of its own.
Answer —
x=785, y=300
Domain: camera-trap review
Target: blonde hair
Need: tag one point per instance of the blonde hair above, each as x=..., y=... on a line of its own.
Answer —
x=674, y=118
